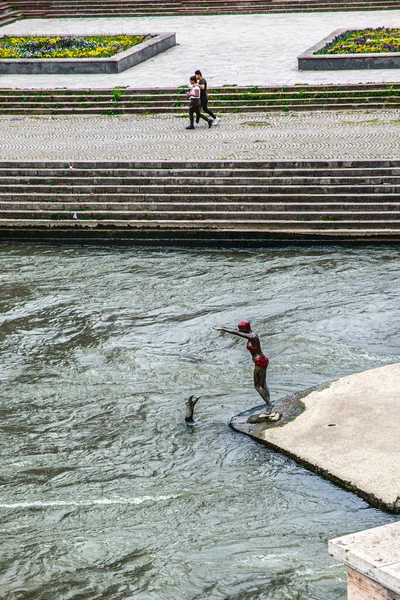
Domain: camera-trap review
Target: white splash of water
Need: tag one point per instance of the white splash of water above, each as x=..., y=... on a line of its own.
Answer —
x=92, y=502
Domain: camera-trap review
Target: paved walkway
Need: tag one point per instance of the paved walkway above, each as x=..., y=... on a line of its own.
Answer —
x=235, y=49
x=342, y=134
x=242, y=50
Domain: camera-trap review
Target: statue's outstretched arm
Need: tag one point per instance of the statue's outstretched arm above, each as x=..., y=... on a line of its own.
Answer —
x=242, y=334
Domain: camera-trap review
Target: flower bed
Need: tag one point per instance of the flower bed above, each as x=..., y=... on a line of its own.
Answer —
x=356, y=49
x=368, y=40
x=57, y=54
x=67, y=46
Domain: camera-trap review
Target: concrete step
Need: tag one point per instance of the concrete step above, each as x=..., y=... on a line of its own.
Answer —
x=173, y=7
x=168, y=106
x=222, y=100
x=7, y=14
x=390, y=183
x=7, y=20
x=197, y=4
x=281, y=173
x=218, y=179
x=326, y=208
x=177, y=199
x=345, y=166
x=145, y=112
x=77, y=174
x=246, y=224
x=154, y=7
x=181, y=236
x=164, y=97
x=243, y=8
x=167, y=11
x=190, y=198
x=223, y=92
x=145, y=12
x=205, y=188
x=203, y=3
x=357, y=218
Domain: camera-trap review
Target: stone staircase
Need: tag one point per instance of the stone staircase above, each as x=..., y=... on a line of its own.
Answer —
x=137, y=8
x=226, y=201
x=8, y=14
x=222, y=100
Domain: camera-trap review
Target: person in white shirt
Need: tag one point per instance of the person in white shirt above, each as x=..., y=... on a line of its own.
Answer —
x=195, y=104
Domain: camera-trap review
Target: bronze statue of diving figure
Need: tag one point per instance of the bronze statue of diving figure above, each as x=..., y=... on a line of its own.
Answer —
x=260, y=365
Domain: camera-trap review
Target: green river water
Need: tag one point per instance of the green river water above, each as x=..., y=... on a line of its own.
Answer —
x=104, y=491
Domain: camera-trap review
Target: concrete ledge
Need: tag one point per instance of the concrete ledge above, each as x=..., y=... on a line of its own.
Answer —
x=348, y=432
x=93, y=66
x=308, y=61
x=372, y=558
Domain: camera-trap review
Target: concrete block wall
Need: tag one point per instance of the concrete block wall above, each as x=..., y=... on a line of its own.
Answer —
x=372, y=558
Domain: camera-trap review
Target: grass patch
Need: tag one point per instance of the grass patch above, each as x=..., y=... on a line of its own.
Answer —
x=117, y=95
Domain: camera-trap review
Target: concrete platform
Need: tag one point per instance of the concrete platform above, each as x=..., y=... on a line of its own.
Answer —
x=346, y=430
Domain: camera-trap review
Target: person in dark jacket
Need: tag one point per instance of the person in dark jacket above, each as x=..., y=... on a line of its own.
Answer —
x=204, y=96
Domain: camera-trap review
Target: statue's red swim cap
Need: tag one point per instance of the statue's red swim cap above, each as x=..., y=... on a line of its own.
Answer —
x=244, y=326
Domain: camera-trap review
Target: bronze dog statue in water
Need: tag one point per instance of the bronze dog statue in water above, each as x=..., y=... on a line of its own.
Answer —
x=190, y=404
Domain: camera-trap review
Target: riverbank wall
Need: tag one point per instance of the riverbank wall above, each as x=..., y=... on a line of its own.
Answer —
x=233, y=201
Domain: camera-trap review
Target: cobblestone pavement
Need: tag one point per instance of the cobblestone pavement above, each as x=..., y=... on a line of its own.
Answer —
x=328, y=135
x=234, y=49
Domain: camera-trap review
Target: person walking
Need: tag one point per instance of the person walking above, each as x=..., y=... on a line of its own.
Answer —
x=195, y=104
x=204, y=96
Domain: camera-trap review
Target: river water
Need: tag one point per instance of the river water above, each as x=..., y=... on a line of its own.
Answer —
x=105, y=493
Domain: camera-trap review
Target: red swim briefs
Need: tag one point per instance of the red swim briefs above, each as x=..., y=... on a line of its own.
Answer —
x=261, y=361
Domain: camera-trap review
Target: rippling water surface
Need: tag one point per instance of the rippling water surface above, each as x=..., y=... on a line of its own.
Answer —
x=104, y=491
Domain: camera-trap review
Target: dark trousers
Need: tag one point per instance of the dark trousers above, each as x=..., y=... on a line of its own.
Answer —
x=204, y=106
x=196, y=110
